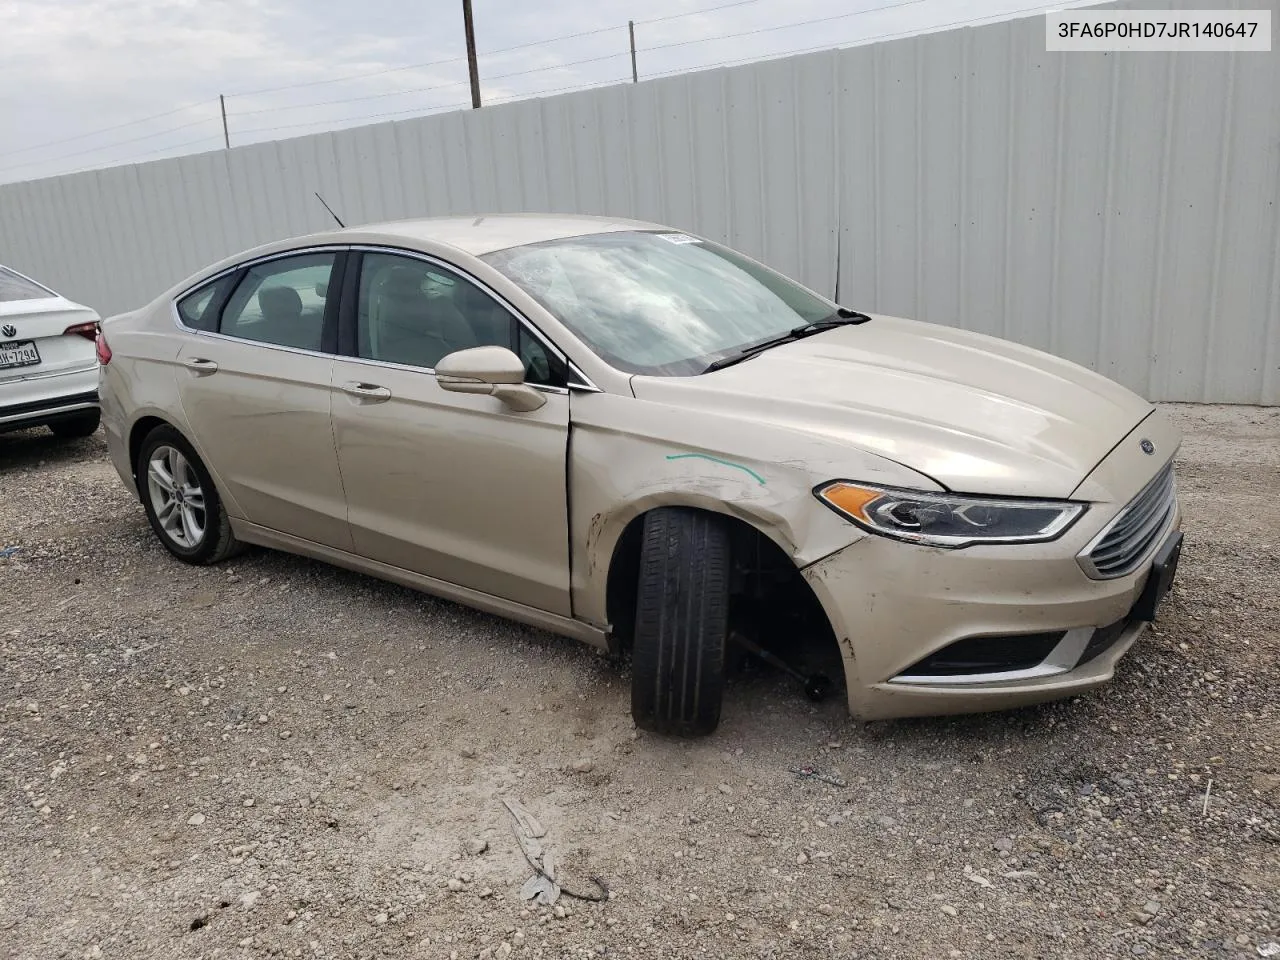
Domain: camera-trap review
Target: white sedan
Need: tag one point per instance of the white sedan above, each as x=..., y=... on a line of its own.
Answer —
x=48, y=364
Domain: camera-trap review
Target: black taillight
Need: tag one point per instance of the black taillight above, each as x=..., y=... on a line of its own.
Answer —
x=87, y=330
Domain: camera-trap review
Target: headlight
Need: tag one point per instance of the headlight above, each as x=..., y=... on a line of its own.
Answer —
x=948, y=519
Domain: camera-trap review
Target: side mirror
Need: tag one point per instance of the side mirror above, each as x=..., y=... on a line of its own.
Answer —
x=494, y=371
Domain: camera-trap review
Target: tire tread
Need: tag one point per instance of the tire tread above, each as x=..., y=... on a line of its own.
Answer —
x=682, y=607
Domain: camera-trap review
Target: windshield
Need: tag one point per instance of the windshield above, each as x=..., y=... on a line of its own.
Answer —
x=14, y=286
x=658, y=303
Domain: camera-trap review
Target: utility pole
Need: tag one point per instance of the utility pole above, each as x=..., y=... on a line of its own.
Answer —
x=631, y=30
x=471, y=54
x=226, y=137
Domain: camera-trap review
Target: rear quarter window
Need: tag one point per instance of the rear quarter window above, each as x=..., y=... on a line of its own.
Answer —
x=199, y=309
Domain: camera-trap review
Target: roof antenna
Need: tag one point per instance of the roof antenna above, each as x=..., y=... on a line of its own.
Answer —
x=330, y=209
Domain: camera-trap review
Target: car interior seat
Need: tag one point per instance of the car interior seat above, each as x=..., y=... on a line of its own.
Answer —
x=407, y=326
x=282, y=316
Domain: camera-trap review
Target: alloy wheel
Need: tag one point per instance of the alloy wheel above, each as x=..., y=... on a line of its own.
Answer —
x=176, y=496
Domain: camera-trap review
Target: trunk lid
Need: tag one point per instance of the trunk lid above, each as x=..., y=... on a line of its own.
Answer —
x=41, y=323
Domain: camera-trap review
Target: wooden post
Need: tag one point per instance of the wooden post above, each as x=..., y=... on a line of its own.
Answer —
x=631, y=30
x=472, y=67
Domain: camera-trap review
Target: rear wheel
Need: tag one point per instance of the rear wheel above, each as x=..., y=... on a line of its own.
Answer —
x=682, y=618
x=181, y=501
x=80, y=425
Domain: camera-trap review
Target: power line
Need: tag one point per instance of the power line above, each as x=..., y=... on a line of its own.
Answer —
x=109, y=146
x=419, y=111
x=864, y=40
x=217, y=138
x=92, y=133
x=575, y=63
x=362, y=117
x=432, y=89
x=784, y=26
x=529, y=95
x=693, y=13
x=348, y=77
x=521, y=46
x=439, y=108
x=488, y=53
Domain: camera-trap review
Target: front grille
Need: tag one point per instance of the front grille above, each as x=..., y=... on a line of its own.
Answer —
x=1132, y=535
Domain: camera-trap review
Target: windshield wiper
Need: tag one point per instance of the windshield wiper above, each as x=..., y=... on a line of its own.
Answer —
x=843, y=317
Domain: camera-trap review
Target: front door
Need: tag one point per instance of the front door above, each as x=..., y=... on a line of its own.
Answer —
x=254, y=382
x=452, y=486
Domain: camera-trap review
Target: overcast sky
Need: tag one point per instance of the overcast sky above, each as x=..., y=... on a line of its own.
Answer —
x=77, y=76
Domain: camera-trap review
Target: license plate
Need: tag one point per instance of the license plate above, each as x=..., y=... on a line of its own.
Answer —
x=1163, y=569
x=18, y=353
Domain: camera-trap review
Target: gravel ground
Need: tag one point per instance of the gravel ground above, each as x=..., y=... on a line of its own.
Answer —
x=278, y=758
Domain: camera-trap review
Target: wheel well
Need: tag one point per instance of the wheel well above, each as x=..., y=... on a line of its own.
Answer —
x=770, y=597
x=136, y=435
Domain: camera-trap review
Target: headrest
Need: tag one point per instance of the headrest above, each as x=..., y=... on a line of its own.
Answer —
x=280, y=301
x=402, y=283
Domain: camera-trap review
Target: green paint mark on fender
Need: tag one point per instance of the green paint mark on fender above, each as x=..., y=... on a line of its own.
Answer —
x=727, y=463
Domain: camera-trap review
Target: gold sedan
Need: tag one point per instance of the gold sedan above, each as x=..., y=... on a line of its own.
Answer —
x=639, y=438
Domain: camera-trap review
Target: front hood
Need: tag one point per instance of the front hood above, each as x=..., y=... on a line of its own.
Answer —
x=977, y=414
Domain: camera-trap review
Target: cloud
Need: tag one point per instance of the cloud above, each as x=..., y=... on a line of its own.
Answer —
x=77, y=67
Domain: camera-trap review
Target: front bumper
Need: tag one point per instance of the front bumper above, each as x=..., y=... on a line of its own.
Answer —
x=899, y=610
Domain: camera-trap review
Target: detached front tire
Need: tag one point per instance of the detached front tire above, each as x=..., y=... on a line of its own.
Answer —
x=181, y=501
x=682, y=622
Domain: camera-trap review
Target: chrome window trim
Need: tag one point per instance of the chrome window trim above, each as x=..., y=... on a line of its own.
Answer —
x=525, y=322
x=302, y=251
x=1084, y=559
x=585, y=385
x=265, y=258
x=177, y=320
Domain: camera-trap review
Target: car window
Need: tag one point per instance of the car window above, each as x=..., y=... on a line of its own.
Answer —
x=14, y=286
x=414, y=312
x=658, y=302
x=199, y=309
x=281, y=302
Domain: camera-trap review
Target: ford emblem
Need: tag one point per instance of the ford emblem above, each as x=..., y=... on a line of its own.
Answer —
x=1147, y=446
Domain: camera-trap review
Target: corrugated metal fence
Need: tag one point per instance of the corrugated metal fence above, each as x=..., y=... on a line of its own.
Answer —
x=1120, y=210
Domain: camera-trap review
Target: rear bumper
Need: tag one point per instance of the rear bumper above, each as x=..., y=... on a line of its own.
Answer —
x=37, y=401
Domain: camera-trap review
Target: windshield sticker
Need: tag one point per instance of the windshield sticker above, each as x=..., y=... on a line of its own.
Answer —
x=679, y=238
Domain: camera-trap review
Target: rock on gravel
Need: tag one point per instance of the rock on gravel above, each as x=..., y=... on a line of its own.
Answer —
x=1081, y=815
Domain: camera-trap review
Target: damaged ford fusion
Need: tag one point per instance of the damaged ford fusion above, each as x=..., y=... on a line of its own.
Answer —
x=649, y=442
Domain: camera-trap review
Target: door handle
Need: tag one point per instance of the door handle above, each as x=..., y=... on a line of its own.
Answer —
x=367, y=392
x=200, y=367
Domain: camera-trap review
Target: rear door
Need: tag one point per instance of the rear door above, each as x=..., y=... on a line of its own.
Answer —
x=254, y=374
x=454, y=486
